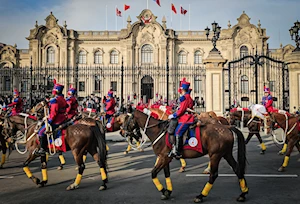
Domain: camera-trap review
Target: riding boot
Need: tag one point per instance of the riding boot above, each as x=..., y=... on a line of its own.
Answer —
x=173, y=150
x=43, y=145
x=178, y=147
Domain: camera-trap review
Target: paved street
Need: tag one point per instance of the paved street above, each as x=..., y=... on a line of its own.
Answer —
x=130, y=179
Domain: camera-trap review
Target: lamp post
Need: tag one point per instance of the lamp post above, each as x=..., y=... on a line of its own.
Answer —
x=294, y=32
x=217, y=30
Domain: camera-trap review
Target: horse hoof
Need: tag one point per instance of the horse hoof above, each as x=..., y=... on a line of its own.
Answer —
x=281, y=169
x=72, y=187
x=241, y=199
x=262, y=152
x=206, y=171
x=182, y=169
x=42, y=184
x=281, y=153
x=102, y=188
x=76, y=168
x=126, y=152
x=61, y=168
x=164, y=197
x=198, y=199
x=36, y=181
x=1, y=167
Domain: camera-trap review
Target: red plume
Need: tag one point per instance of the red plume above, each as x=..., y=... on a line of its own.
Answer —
x=70, y=86
x=54, y=81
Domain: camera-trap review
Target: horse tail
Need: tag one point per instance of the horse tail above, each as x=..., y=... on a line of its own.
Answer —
x=241, y=157
x=101, y=143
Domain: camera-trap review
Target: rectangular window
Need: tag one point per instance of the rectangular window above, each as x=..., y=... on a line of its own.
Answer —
x=272, y=86
x=97, y=84
x=7, y=83
x=197, y=85
x=81, y=86
x=198, y=59
x=113, y=85
x=98, y=59
x=114, y=58
x=182, y=59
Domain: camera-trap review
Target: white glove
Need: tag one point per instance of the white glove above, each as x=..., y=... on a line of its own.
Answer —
x=171, y=116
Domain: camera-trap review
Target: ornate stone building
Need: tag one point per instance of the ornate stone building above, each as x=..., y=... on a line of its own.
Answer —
x=92, y=59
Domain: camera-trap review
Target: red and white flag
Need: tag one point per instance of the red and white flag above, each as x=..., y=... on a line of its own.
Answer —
x=118, y=12
x=174, y=9
x=183, y=11
x=126, y=7
x=157, y=1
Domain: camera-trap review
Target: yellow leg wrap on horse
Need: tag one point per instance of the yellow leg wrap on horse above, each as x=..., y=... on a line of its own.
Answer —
x=3, y=159
x=263, y=146
x=138, y=144
x=62, y=159
x=27, y=171
x=6, y=143
x=107, y=148
x=243, y=186
x=157, y=159
x=47, y=157
x=208, y=166
x=284, y=148
x=128, y=148
x=286, y=161
x=183, y=163
x=103, y=174
x=206, y=189
x=45, y=174
x=169, y=184
x=78, y=179
x=84, y=158
x=157, y=184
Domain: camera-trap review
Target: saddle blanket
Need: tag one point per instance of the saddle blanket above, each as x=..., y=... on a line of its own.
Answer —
x=59, y=141
x=193, y=141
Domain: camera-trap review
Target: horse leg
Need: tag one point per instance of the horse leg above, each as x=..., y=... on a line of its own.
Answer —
x=231, y=161
x=263, y=146
x=283, y=150
x=207, y=170
x=161, y=163
x=62, y=160
x=44, y=170
x=249, y=137
x=214, y=162
x=3, y=148
x=166, y=195
x=128, y=149
x=26, y=169
x=103, y=170
x=298, y=146
x=78, y=156
x=183, y=165
x=292, y=142
x=84, y=159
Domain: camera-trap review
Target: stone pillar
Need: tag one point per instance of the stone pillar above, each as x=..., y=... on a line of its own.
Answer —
x=214, y=82
x=293, y=61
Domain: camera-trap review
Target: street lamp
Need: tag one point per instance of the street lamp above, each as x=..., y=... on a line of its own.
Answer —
x=294, y=32
x=217, y=30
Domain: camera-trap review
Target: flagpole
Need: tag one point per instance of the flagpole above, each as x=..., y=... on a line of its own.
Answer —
x=116, y=19
x=147, y=4
x=171, y=15
x=180, y=16
x=106, y=17
x=189, y=16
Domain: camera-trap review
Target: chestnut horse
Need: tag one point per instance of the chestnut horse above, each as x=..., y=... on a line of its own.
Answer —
x=290, y=125
x=217, y=141
x=79, y=137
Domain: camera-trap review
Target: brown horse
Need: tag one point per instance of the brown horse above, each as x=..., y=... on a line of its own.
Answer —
x=217, y=141
x=290, y=125
x=253, y=125
x=80, y=139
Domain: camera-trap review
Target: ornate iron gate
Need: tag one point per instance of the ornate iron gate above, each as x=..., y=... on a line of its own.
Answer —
x=246, y=77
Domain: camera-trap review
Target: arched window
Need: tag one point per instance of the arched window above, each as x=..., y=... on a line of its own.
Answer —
x=50, y=55
x=244, y=84
x=147, y=54
x=98, y=57
x=182, y=57
x=243, y=51
x=82, y=57
x=198, y=57
x=114, y=57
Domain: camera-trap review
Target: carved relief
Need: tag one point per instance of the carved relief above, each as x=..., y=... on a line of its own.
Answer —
x=246, y=36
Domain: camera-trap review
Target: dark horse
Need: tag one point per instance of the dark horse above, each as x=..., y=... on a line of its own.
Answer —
x=253, y=125
x=217, y=141
x=80, y=138
x=290, y=125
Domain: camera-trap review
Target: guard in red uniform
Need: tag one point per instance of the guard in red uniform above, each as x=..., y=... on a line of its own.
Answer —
x=56, y=117
x=17, y=104
x=109, y=107
x=267, y=100
x=181, y=119
x=72, y=102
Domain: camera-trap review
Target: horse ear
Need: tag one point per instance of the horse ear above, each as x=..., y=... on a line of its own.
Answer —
x=54, y=81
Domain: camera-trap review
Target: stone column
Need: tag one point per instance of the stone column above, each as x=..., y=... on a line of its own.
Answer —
x=214, y=82
x=293, y=61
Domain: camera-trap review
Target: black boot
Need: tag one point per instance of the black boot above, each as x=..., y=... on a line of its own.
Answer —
x=178, y=147
x=173, y=150
x=43, y=145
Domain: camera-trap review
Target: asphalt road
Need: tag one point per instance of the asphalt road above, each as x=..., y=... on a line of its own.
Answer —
x=130, y=179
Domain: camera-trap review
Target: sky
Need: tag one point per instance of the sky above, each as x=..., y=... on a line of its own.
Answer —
x=17, y=17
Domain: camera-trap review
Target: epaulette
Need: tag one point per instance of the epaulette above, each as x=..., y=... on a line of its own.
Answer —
x=16, y=99
x=269, y=97
x=53, y=101
x=68, y=99
x=182, y=98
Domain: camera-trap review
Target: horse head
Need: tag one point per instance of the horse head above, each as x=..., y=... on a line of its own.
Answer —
x=38, y=110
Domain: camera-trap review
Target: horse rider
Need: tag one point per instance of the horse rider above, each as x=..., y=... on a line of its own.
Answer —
x=267, y=100
x=56, y=117
x=17, y=104
x=110, y=104
x=72, y=102
x=181, y=119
